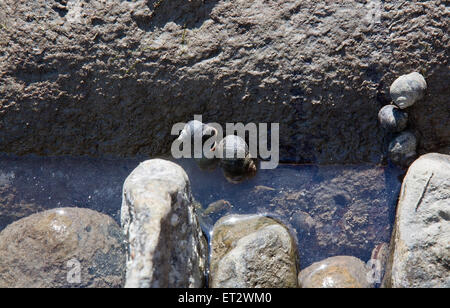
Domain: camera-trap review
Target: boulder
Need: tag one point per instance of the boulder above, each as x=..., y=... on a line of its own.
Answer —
x=167, y=248
x=62, y=248
x=252, y=252
x=336, y=272
x=113, y=77
x=420, y=248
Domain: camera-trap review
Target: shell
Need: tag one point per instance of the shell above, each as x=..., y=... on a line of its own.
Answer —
x=393, y=119
x=402, y=150
x=408, y=89
x=197, y=128
x=236, y=161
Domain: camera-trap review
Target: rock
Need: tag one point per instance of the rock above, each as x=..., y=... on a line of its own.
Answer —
x=392, y=118
x=408, y=89
x=166, y=244
x=420, y=253
x=335, y=272
x=378, y=262
x=61, y=248
x=402, y=150
x=113, y=77
x=252, y=252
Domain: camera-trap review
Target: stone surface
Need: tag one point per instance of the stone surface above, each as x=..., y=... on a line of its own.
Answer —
x=420, y=249
x=335, y=272
x=46, y=250
x=392, y=118
x=112, y=77
x=166, y=245
x=408, y=89
x=402, y=149
x=252, y=252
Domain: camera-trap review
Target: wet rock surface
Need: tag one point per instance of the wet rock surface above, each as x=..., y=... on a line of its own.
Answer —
x=420, y=254
x=252, y=252
x=166, y=244
x=66, y=247
x=335, y=272
x=96, y=77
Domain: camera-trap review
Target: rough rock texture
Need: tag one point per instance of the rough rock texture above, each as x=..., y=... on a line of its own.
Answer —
x=408, y=89
x=46, y=250
x=252, y=252
x=166, y=245
x=335, y=272
x=420, y=248
x=95, y=77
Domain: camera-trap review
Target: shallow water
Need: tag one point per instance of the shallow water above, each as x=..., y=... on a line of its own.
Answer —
x=331, y=210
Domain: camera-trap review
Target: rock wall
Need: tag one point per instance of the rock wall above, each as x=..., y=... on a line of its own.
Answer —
x=112, y=77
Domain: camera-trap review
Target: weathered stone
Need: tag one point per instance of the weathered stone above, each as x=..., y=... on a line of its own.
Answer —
x=166, y=246
x=112, y=77
x=66, y=247
x=392, y=118
x=335, y=272
x=420, y=249
x=408, y=89
x=378, y=263
x=402, y=150
x=252, y=252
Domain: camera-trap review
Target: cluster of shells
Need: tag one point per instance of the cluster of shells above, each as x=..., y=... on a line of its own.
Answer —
x=235, y=159
x=405, y=92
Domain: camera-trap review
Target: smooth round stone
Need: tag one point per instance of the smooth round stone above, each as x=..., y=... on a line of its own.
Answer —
x=392, y=118
x=62, y=248
x=335, y=272
x=402, y=150
x=250, y=251
x=408, y=89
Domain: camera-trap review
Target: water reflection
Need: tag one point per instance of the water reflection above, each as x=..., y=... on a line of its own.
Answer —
x=333, y=210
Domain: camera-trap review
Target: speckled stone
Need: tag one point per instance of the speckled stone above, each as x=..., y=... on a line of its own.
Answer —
x=45, y=250
x=420, y=253
x=335, y=272
x=166, y=245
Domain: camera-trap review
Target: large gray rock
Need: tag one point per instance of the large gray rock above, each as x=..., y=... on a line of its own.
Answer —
x=112, y=77
x=166, y=245
x=252, y=252
x=336, y=272
x=62, y=248
x=420, y=253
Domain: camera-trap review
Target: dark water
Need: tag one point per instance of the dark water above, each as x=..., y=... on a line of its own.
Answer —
x=332, y=210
